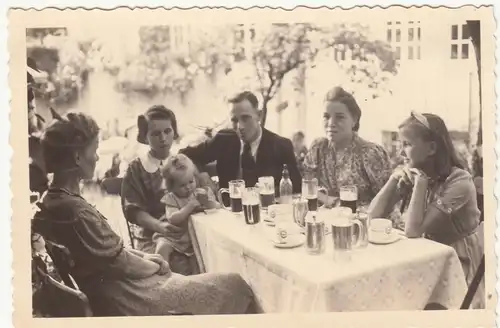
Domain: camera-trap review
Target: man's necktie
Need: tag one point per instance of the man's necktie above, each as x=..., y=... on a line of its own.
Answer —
x=248, y=166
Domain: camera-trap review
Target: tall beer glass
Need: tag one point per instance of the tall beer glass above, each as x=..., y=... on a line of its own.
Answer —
x=349, y=197
x=235, y=191
x=266, y=191
x=251, y=205
x=310, y=191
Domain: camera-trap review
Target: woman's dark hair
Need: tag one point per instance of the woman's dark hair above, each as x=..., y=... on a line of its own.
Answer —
x=63, y=137
x=445, y=157
x=338, y=94
x=156, y=112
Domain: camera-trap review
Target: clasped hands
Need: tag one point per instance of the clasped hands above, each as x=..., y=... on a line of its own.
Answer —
x=158, y=259
x=408, y=176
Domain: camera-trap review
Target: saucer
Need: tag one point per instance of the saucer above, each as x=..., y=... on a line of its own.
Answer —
x=292, y=242
x=393, y=237
x=269, y=222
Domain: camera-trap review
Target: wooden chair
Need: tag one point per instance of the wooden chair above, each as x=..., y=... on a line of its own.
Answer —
x=474, y=285
x=62, y=261
x=60, y=301
x=113, y=186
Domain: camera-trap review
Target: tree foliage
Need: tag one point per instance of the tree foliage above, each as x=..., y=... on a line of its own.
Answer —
x=165, y=65
x=284, y=48
x=65, y=61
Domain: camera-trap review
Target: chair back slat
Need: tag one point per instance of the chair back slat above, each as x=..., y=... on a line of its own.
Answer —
x=112, y=186
x=60, y=301
x=473, y=286
x=62, y=261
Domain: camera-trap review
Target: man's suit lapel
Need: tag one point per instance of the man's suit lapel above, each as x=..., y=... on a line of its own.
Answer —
x=265, y=150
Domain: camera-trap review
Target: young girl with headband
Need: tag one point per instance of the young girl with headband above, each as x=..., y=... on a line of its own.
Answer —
x=439, y=196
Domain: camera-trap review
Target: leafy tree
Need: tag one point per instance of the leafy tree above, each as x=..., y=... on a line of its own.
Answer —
x=65, y=61
x=286, y=47
x=162, y=66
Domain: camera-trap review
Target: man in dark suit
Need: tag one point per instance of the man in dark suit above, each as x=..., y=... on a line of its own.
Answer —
x=247, y=151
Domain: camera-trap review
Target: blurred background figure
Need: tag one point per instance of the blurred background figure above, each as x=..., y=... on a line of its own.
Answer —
x=300, y=149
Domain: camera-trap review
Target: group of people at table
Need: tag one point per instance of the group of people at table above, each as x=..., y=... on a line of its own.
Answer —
x=161, y=190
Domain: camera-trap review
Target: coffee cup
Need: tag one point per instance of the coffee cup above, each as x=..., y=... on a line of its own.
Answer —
x=380, y=229
x=280, y=212
x=281, y=215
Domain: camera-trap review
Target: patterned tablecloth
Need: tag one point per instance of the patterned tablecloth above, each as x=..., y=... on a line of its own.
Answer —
x=405, y=275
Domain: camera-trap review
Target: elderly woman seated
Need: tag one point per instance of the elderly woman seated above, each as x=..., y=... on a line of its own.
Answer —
x=119, y=281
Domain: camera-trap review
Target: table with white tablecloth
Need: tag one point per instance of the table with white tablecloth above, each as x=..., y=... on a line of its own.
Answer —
x=405, y=275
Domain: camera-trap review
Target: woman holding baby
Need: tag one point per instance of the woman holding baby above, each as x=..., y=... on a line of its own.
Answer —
x=156, y=182
x=117, y=280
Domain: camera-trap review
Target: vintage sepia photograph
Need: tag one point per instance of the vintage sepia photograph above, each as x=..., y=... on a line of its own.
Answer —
x=200, y=165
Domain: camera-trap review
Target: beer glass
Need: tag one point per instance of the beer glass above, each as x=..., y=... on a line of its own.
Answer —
x=266, y=191
x=362, y=233
x=300, y=210
x=349, y=197
x=251, y=205
x=344, y=238
x=310, y=190
x=235, y=191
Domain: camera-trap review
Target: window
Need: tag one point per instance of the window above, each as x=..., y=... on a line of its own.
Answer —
x=465, y=51
x=460, y=36
x=340, y=53
x=454, y=51
x=404, y=38
x=454, y=32
x=465, y=32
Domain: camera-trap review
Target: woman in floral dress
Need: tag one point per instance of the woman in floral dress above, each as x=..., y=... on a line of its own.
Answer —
x=342, y=157
x=118, y=281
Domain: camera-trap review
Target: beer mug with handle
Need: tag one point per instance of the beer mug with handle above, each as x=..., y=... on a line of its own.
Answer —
x=344, y=236
x=235, y=191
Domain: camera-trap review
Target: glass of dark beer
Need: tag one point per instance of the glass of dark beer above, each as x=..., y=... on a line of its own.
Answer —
x=235, y=191
x=266, y=192
x=251, y=205
x=349, y=197
x=310, y=191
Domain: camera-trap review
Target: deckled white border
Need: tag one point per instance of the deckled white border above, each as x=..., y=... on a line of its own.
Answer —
x=6, y=151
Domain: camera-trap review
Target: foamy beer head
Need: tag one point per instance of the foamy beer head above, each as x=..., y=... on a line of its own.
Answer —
x=266, y=185
x=236, y=188
x=250, y=196
x=349, y=193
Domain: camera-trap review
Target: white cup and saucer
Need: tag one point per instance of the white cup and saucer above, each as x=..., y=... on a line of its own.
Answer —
x=287, y=234
x=381, y=232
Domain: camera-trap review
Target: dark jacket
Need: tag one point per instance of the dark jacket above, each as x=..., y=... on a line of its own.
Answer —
x=274, y=151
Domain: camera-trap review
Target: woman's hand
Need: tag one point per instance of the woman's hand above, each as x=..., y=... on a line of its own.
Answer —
x=403, y=175
x=158, y=259
x=326, y=200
